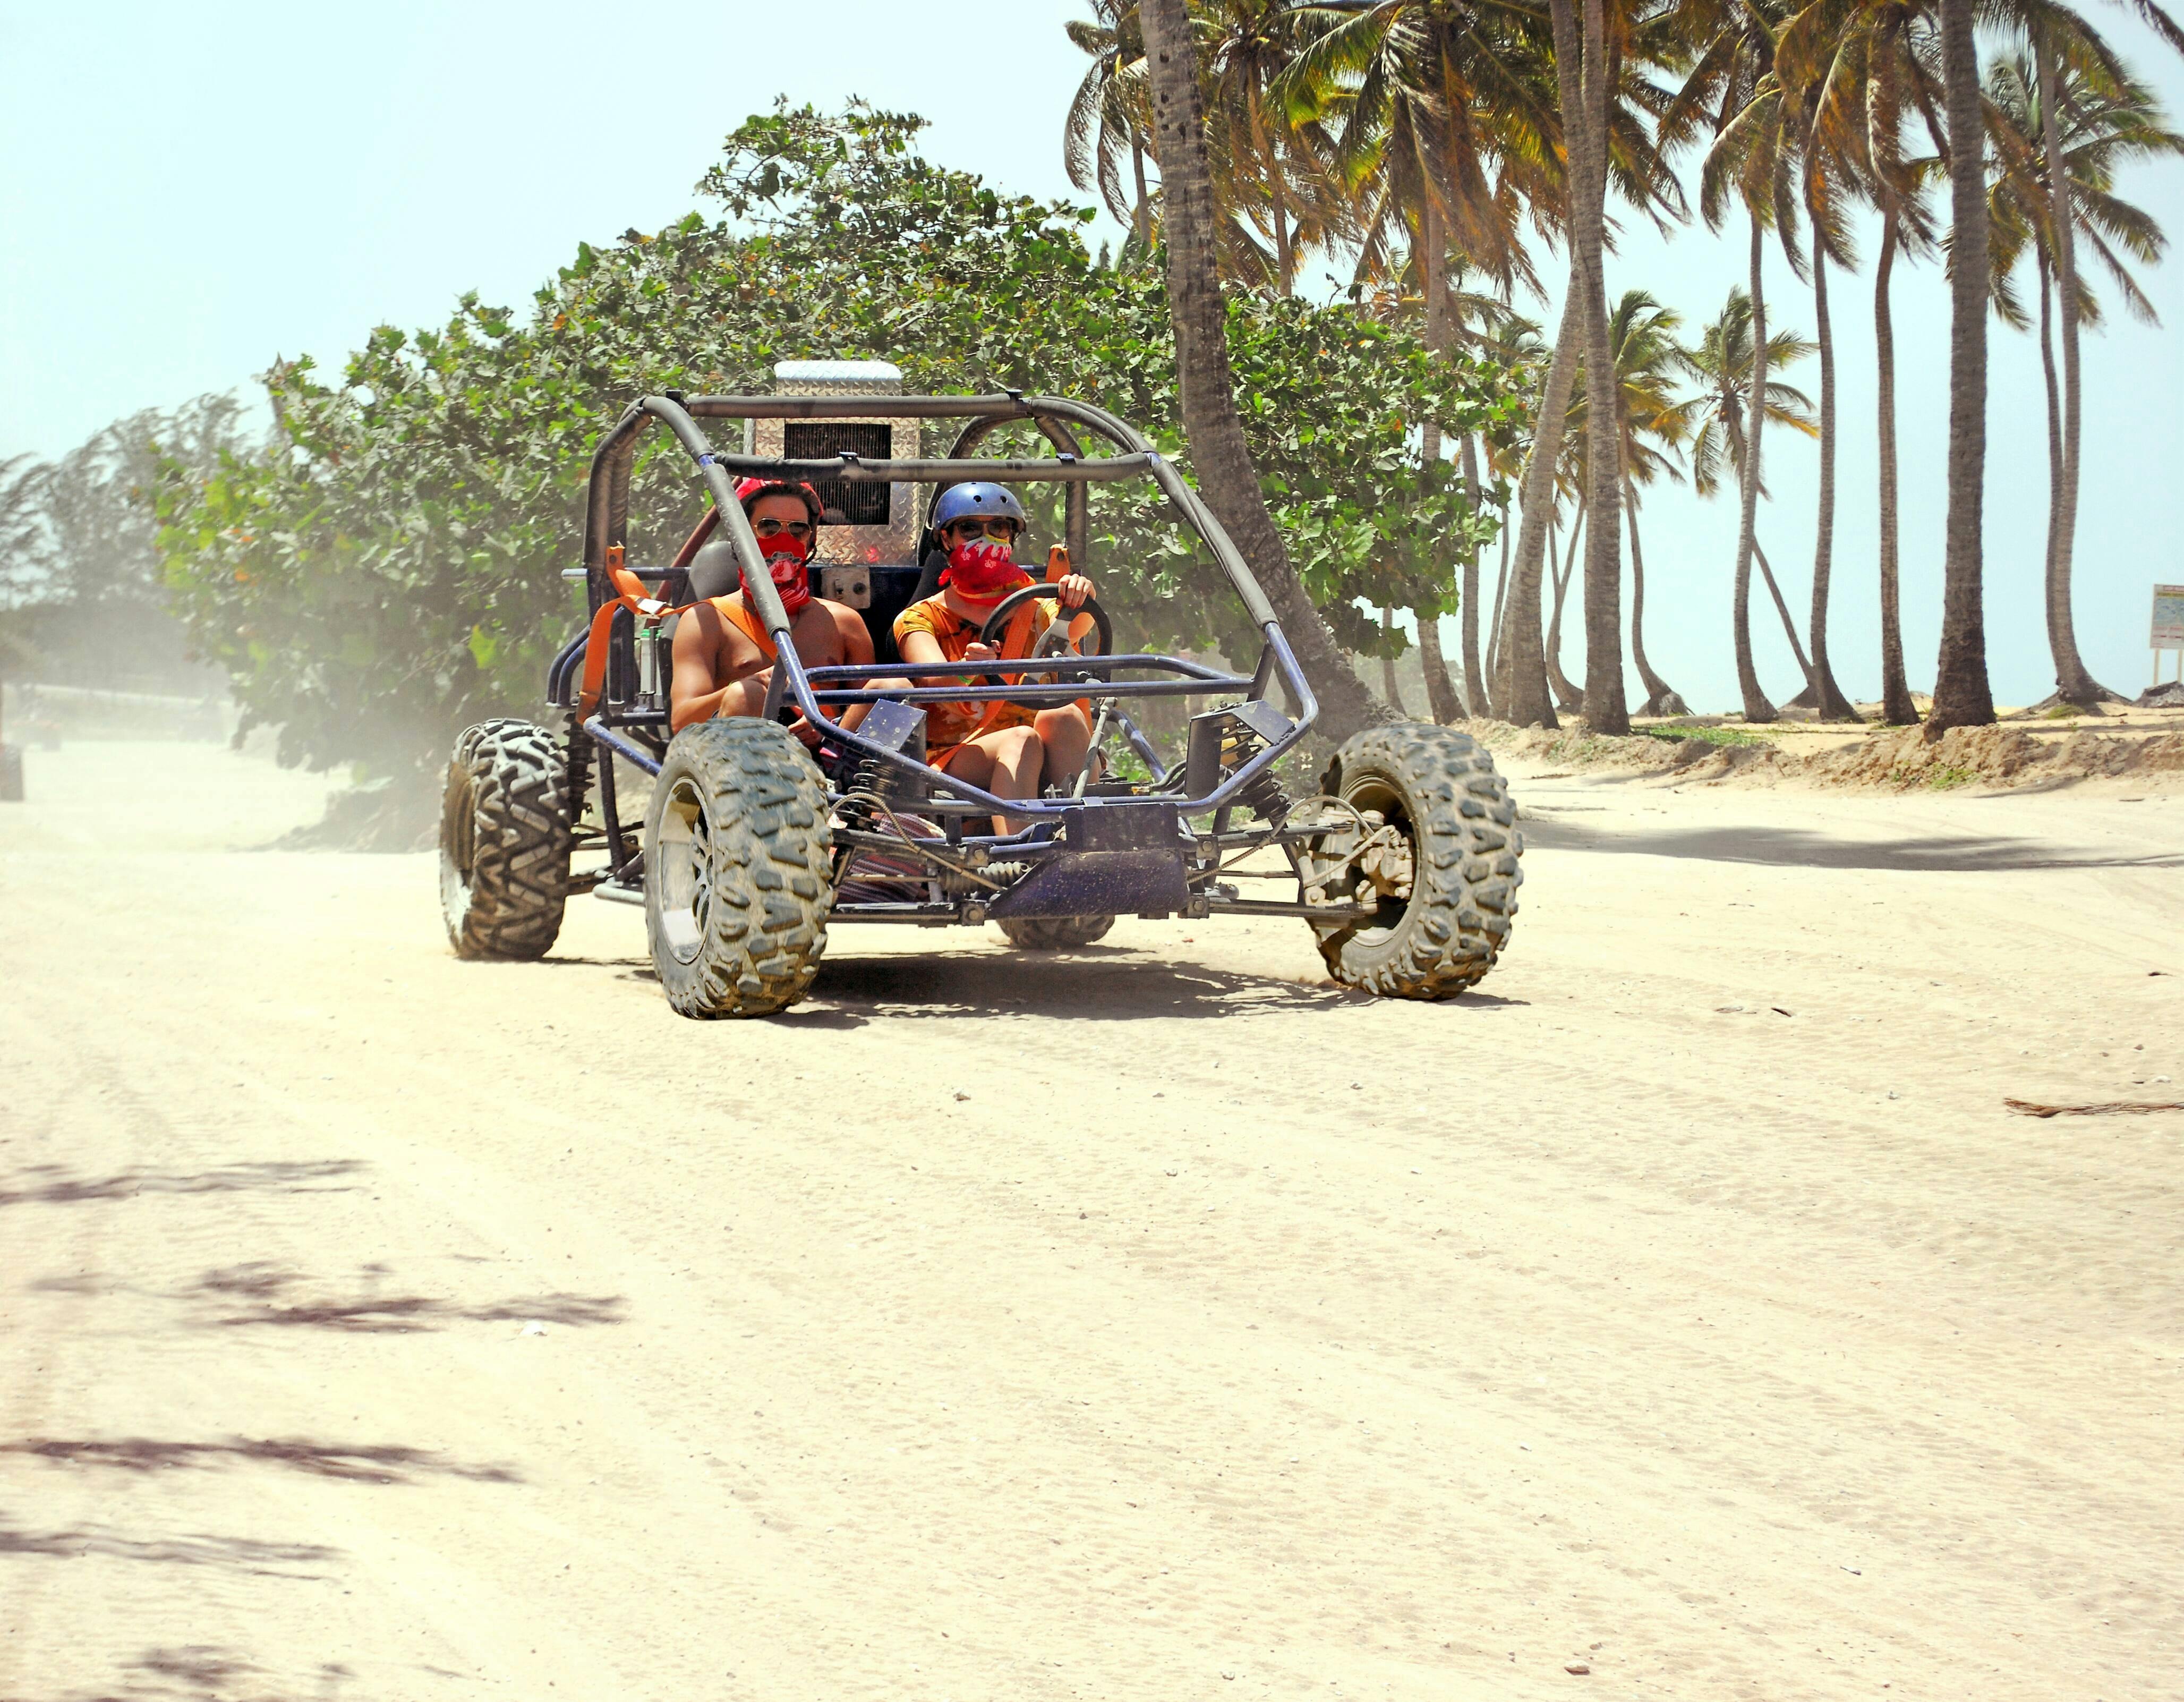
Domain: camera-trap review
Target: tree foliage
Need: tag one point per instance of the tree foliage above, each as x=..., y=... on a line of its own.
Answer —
x=390, y=569
x=81, y=593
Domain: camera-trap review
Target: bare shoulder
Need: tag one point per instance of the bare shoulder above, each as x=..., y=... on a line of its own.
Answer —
x=698, y=628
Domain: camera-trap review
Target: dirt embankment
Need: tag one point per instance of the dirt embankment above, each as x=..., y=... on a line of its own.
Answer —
x=1891, y=758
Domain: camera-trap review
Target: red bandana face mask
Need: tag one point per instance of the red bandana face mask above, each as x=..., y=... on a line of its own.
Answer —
x=982, y=568
x=787, y=560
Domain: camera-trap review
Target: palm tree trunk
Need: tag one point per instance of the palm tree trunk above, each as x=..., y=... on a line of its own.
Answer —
x=1467, y=609
x=1569, y=694
x=1962, y=697
x=1221, y=456
x=1897, y=707
x=1583, y=87
x=2073, y=683
x=1389, y=688
x=1521, y=684
x=1828, y=697
x=1141, y=217
x=2054, y=447
x=1756, y=706
x=1442, y=702
x=1497, y=702
x=1270, y=162
x=1789, y=627
x=1658, y=691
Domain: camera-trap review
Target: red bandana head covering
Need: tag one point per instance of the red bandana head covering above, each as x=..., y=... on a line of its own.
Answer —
x=788, y=563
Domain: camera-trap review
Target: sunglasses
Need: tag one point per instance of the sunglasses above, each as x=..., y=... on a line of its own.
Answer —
x=800, y=530
x=1005, y=530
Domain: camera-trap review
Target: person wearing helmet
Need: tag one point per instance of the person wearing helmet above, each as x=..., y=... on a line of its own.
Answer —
x=1005, y=748
x=724, y=653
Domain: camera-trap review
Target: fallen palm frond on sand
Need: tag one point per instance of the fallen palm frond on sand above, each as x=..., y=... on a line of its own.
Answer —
x=2112, y=1108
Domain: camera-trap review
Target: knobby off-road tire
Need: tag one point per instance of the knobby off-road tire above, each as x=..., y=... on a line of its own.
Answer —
x=1440, y=787
x=1054, y=933
x=737, y=869
x=503, y=842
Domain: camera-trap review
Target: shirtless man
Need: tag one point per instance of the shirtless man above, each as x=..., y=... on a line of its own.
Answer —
x=724, y=655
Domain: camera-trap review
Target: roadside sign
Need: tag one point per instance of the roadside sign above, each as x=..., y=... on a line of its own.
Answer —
x=2168, y=617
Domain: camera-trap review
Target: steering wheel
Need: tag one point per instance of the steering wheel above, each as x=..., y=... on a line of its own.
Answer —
x=1055, y=641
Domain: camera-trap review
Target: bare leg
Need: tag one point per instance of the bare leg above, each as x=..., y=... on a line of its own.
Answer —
x=1064, y=735
x=1005, y=762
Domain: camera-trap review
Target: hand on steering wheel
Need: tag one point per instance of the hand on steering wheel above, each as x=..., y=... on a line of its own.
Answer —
x=1055, y=641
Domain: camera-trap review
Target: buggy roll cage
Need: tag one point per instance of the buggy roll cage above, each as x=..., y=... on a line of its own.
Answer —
x=606, y=532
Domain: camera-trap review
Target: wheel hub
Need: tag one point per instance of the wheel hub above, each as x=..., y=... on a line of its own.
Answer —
x=1387, y=861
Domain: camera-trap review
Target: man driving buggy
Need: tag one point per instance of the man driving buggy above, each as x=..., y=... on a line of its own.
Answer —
x=724, y=655
x=1006, y=749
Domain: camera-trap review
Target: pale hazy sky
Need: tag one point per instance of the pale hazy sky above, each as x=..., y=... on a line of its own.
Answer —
x=190, y=191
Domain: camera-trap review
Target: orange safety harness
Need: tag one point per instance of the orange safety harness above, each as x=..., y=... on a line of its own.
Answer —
x=731, y=609
x=633, y=596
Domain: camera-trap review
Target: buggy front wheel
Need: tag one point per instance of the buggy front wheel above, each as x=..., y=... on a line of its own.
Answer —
x=1429, y=844
x=737, y=870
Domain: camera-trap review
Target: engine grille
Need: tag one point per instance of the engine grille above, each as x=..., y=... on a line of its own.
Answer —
x=856, y=503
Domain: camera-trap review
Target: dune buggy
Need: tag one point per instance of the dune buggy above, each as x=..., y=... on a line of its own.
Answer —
x=1405, y=863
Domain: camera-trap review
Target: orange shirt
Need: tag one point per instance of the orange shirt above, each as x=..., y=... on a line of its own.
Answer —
x=950, y=723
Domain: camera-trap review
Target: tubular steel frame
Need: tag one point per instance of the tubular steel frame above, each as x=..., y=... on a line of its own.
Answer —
x=606, y=527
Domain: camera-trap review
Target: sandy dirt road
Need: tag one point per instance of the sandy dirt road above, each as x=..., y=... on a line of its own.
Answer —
x=1159, y=1322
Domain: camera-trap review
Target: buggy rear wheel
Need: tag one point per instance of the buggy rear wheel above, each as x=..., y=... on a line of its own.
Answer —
x=737, y=869
x=504, y=844
x=1432, y=847
x=1054, y=933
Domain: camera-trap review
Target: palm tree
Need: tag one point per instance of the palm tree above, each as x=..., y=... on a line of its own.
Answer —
x=1219, y=455
x=1653, y=422
x=1109, y=116
x=1962, y=697
x=1731, y=88
x=1448, y=139
x=1723, y=365
x=1514, y=341
x=1858, y=69
x=2048, y=109
x=1583, y=76
x=1470, y=131
x=1270, y=152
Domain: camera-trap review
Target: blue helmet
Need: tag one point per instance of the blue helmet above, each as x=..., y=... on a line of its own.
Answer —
x=976, y=502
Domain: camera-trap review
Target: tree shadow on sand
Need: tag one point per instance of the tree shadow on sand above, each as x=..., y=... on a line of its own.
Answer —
x=365, y=1464
x=54, y=1185
x=212, y=1672
x=238, y=1554
x=1797, y=848
x=378, y=1313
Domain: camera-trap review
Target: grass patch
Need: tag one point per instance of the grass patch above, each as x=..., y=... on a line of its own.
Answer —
x=1712, y=735
x=1942, y=776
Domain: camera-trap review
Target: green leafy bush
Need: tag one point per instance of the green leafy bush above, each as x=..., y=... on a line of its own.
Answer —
x=390, y=570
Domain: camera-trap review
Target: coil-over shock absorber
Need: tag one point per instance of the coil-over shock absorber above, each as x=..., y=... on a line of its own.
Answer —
x=1223, y=740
